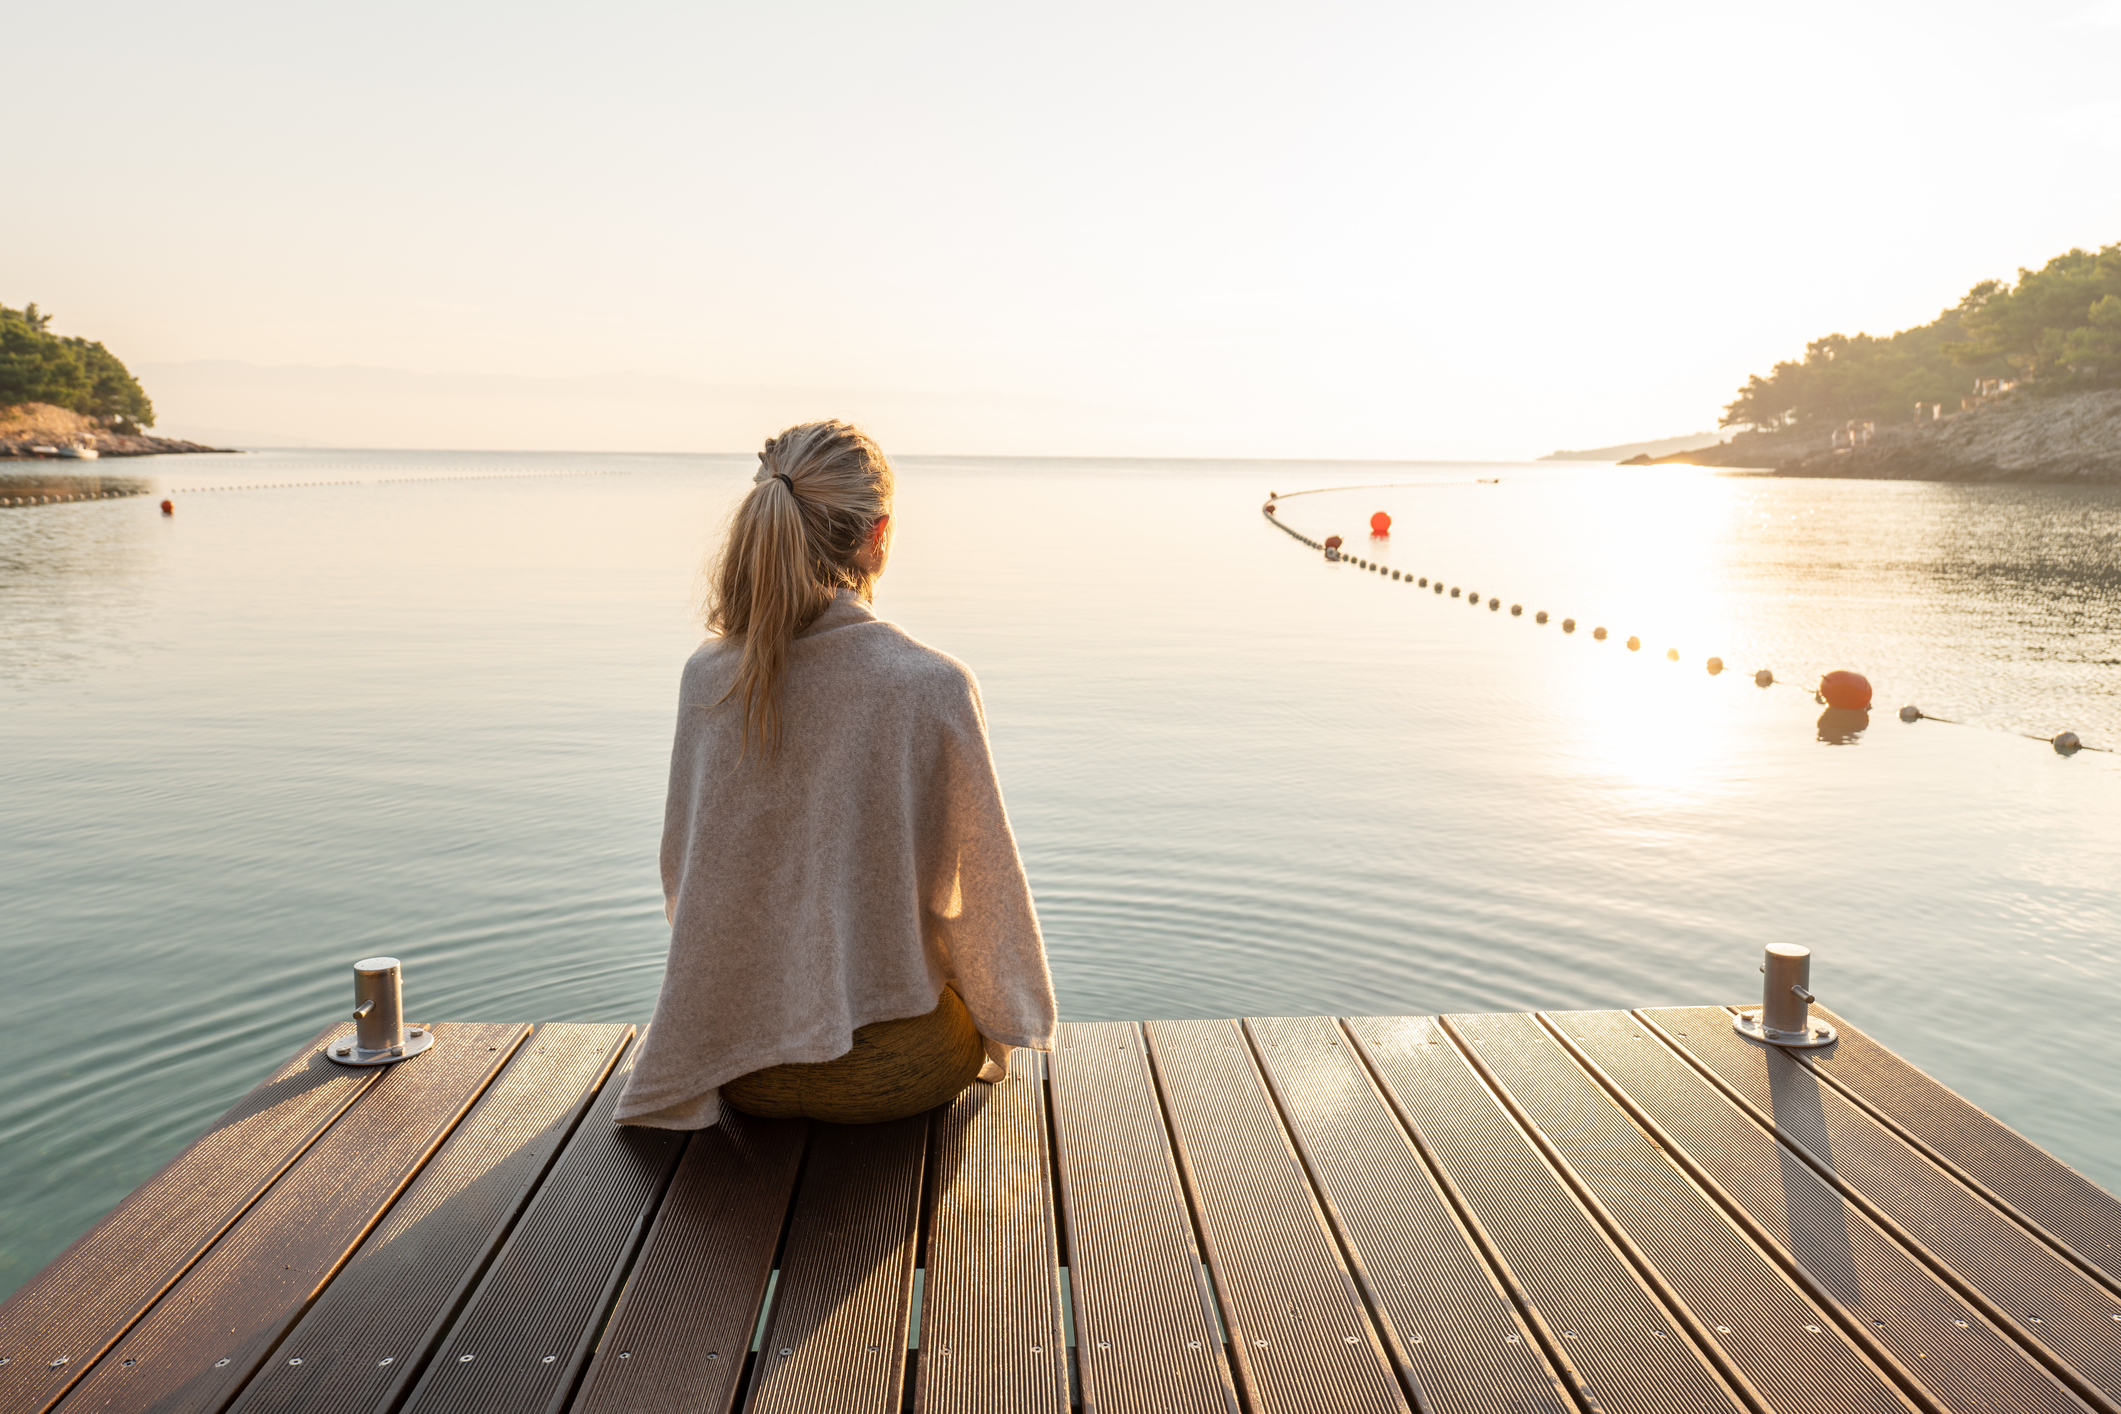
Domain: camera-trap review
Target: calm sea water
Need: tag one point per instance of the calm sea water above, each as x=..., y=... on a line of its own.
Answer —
x=428, y=714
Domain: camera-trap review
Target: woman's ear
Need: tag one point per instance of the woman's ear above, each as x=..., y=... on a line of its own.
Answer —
x=876, y=532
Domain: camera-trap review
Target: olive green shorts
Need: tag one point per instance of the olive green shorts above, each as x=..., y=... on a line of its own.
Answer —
x=897, y=1068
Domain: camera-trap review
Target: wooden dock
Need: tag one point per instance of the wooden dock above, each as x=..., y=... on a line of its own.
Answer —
x=1568, y=1213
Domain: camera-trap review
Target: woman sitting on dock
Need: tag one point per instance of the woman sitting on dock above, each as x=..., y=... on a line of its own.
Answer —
x=852, y=935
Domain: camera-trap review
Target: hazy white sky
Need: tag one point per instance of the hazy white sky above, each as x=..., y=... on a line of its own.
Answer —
x=1309, y=229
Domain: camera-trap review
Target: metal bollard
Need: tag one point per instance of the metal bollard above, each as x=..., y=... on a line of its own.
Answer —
x=1784, y=1018
x=380, y=1035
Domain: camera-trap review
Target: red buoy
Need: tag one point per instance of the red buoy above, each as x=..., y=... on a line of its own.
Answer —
x=1851, y=692
x=169, y=508
x=1332, y=542
x=1380, y=524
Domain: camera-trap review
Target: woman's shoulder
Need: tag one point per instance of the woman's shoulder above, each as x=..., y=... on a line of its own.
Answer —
x=875, y=653
x=883, y=648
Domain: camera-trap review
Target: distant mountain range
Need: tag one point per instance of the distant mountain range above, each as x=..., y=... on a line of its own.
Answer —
x=1661, y=447
x=308, y=405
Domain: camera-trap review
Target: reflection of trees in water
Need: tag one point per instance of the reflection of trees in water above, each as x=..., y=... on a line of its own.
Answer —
x=72, y=576
x=2030, y=575
x=2063, y=543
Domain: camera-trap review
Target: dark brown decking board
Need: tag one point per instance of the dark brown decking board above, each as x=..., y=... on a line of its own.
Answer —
x=523, y=1337
x=2078, y=1214
x=1916, y=1317
x=364, y=1341
x=70, y=1312
x=2054, y=1303
x=1786, y=1347
x=1298, y=1329
x=992, y=1295
x=1145, y=1340
x=835, y=1342
x=1630, y=1351
x=1447, y=1323
x=193, y=1352
x=679, y=1334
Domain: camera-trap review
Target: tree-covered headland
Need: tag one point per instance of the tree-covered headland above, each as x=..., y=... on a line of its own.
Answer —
x=2057, y=329
x=38, y=366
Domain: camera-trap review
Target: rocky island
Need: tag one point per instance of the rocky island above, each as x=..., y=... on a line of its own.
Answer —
x=2020, y=381
x=63, y=395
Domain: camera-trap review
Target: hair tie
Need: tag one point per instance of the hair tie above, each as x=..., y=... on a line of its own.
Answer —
x=782, y=477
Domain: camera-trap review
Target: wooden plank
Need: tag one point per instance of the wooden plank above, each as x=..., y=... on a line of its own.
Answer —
x=202, y=1342
x=836, y=1341
x=2078, y=1215
x=1298, y=1330
x=1448, y=1325
x=526, y=1332
x=1630, y=1351
x=2048, y=1302
x=366, y=1339
x=56, y=1325
x=1793, y=1352
x=992, y=1296
x=1146, y=1340
x=678, y=1337
x=1964, y=1361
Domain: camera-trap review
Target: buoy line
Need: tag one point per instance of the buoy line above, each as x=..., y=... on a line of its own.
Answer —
x=60, y=498
x=260, y=486
x=1841, y=689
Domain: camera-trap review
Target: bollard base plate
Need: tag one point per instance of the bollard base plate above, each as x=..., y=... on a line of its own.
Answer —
x=1815, y=1033
x=347, y=1049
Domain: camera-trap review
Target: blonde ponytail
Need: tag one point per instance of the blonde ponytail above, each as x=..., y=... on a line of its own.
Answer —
x=821, y=487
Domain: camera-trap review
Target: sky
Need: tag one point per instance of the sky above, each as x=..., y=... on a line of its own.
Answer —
x=1401, y=230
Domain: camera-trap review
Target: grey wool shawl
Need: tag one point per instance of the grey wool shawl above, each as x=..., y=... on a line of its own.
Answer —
x=844, y=880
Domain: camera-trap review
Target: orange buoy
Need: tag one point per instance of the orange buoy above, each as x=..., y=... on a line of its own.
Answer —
x=1672, y=654
x=1380, y=524
x=1851, y=692
x=169, y=508
x=1634, y=643
x=1715, y=666
x=1599, y=633
x=1332, y=542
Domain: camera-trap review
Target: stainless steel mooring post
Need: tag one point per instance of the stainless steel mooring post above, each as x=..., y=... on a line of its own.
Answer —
x=1785, y=1015
x=380, y=1035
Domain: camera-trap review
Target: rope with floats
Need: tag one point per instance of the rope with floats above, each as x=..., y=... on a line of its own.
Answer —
x=1841, y=689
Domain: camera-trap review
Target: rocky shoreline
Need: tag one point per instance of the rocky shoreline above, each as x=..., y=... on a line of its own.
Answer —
x=2073, y=439
x=27, y=427
x=108, y=444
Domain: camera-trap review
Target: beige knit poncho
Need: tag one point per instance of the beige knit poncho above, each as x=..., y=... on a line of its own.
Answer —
x=845, y=880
